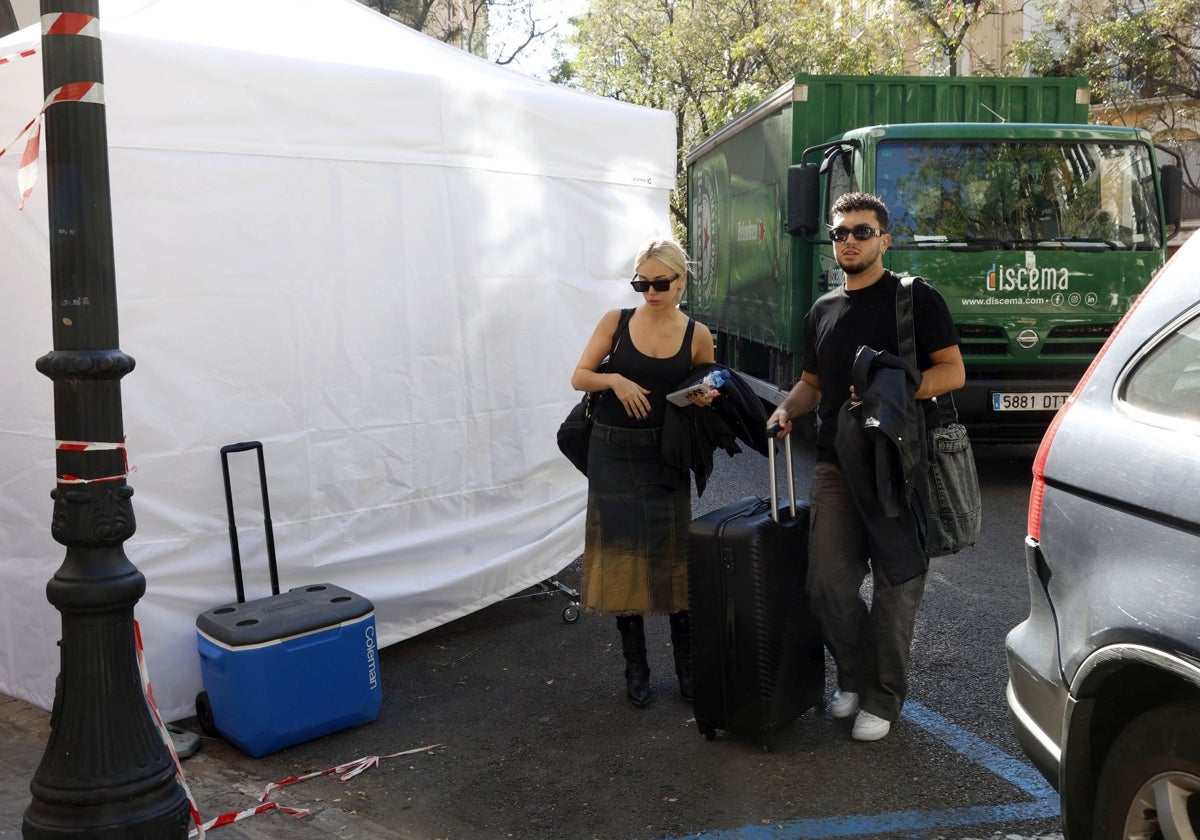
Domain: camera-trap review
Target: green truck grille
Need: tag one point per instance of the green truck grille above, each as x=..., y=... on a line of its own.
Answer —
x=1063, y=340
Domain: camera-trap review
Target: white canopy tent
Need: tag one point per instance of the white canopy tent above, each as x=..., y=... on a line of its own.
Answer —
x=376, y=254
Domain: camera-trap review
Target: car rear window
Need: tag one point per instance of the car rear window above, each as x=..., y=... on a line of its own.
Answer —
x=1166, y=381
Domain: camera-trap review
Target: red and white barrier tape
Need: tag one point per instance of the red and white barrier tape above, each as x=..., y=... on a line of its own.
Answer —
x=27, y=170
x=63, y=23
x=5, y=59
x=81, y=446
x=148, y=690
x=238, y=816
x=70, y=23
x=348, y=770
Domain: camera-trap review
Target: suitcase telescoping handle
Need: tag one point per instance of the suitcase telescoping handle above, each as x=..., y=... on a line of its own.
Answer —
x=246, y=446
x=773, y=430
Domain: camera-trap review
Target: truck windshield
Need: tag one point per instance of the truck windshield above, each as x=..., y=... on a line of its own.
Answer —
x=962, y=195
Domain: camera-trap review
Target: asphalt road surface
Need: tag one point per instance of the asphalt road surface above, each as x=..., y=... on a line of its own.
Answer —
x=539, y=742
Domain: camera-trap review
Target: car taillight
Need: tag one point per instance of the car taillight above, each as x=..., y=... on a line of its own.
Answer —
x=1033, y=521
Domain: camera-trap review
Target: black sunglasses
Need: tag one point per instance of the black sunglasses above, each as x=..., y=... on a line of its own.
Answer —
x=642, y=285
x=861, y=232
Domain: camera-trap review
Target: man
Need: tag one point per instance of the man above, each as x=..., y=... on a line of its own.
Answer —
x=870, y=647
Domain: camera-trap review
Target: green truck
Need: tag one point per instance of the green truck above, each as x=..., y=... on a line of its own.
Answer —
x=1037, y=228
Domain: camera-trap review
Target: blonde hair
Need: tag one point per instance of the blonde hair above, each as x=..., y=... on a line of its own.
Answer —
x=670, y=253
x=667, y=251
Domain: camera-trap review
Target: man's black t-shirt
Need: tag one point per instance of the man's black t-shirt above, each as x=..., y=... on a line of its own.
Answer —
x=843, y=320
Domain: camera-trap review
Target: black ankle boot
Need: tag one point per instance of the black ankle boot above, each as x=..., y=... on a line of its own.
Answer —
x=637, y=669
x=681, y=642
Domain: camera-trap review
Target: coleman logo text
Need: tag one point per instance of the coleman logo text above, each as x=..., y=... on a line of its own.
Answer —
x=1029, y=279
x=372, y=665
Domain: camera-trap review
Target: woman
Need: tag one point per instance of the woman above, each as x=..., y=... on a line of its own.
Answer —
x=639, y=509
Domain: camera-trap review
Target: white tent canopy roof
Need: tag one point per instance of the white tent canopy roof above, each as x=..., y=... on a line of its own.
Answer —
x=376, y=254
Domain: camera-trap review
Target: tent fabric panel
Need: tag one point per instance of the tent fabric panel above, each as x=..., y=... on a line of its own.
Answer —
x=390, y=359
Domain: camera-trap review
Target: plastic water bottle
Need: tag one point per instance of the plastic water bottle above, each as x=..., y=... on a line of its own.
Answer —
x=716, y=379
x=709, y=384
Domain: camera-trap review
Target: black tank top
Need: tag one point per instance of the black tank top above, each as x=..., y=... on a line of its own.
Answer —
x=660, y=376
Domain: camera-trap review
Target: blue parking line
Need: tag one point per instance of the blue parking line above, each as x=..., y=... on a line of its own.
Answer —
x=1045, y=802
x=830, y=827
x=1003, y=765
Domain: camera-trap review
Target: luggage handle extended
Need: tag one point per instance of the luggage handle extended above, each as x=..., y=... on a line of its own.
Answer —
x=246, y=446
x=773, y=430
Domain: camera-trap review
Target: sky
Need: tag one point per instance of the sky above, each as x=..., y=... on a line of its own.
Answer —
x=537, y=60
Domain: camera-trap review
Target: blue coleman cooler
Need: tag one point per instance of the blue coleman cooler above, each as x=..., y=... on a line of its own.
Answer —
x=290, y=667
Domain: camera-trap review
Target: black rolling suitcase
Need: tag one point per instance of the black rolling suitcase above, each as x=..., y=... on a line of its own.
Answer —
x=758, y=661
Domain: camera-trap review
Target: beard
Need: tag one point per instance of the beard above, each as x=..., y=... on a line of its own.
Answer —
x=869, y=254
x=860, y=264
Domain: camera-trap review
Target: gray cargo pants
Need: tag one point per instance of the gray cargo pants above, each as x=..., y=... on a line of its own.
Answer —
x=870, y=647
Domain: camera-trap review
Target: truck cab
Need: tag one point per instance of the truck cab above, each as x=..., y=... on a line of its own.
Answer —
x=1039, y=238
x=1038, y=235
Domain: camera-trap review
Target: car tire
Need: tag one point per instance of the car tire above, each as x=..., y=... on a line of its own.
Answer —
x=1151, y=777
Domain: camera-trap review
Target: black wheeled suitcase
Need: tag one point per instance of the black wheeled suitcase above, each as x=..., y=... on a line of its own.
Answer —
x=758, y=661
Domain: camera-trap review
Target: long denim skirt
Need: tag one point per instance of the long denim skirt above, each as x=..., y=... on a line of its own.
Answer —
x=638, y=512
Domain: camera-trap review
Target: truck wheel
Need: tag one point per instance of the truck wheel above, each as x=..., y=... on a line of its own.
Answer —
x=1150, y=783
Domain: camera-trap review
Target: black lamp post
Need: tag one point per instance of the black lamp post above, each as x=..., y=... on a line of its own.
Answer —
x=105, y=772
x=8, y=18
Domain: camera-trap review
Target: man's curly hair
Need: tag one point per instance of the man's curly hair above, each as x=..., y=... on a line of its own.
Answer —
x=850, y=202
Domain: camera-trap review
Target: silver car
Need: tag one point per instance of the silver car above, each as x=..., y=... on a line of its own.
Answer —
x=1104, y=675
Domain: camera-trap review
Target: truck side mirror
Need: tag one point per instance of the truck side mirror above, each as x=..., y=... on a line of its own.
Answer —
x=803, y=198
x=1172, y=190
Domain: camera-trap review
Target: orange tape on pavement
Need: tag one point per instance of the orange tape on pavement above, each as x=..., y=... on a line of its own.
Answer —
x=348, y=770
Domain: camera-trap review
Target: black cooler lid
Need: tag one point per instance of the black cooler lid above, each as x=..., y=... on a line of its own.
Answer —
x=300, y=610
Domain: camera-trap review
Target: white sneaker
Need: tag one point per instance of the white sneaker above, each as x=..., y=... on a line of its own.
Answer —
x=869, y=727
x=844, y=704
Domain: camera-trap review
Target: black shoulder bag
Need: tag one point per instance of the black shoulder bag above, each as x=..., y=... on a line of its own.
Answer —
x=575, y=433
x=955, y=510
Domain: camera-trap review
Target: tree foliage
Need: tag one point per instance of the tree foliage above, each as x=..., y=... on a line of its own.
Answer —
x=949, y=22
x=1141, y=58
x=1128, y=49
x=708, y=60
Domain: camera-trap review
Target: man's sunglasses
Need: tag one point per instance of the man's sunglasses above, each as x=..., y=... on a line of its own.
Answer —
x=861, y=232
x=641, y=284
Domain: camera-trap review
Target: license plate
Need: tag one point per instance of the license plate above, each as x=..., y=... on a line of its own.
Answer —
x=1028, y=401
